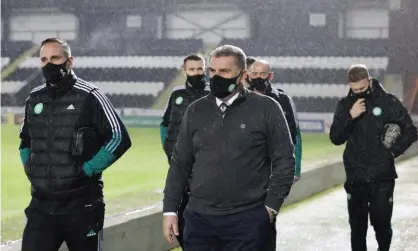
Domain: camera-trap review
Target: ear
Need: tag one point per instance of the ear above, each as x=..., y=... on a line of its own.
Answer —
x=70, y=62
x=244, y=75
x=271, y=76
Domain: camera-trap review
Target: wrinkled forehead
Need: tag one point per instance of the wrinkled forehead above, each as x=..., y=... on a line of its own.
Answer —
x=227, y=62
x=51, y=49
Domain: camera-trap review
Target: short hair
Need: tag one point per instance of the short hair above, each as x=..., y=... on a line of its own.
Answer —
x=250, y=61
x=193, y=57
x=357, y=72
x=64, y=44
x=230, y=50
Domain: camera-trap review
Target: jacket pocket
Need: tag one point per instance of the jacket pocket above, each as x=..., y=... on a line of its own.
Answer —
x=78, y=169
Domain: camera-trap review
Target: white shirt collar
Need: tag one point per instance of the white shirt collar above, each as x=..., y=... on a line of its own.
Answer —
x=229, y=101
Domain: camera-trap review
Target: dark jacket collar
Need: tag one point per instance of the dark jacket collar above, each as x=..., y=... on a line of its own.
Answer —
x=67, y=84
x=192, y=90
x=376, y=89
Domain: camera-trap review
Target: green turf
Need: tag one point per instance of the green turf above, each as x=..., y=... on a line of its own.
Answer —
x=135, y=180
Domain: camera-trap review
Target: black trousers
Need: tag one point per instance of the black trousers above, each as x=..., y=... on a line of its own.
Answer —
x=180, y=217
x=244, y=231
x=272, y=237
x=81, y=231
x=375, y=199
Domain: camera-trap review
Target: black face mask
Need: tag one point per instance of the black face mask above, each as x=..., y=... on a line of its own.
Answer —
x=259, y=84
x=197, y=81
x=55, y=73
x=223, y=87
x=364, y=94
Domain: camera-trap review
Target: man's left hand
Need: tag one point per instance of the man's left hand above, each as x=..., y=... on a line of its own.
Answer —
x=271, y=214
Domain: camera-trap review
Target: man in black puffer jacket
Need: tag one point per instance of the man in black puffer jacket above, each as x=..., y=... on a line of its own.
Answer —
x=361, y=119
x=70, y=135
x=180, y=99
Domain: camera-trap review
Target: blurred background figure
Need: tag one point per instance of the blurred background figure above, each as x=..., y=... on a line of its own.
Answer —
x=250, y=61
x=194, y=89
x=260, y=76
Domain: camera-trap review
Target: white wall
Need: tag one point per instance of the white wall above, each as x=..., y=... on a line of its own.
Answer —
x=367, y=23
x=36, y=27
x=186, y=24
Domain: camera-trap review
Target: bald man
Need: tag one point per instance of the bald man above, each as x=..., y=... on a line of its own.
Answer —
x=260, y=76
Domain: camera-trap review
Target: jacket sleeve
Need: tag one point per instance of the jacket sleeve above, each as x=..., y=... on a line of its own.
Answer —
x=289, y=115
x=298, y=153
x=25, y=141
x=342, y=125
x=298, y=143
x=181, y=166
x=166, y=120
x=280, y=149
x=112, y=132
x=408, y=135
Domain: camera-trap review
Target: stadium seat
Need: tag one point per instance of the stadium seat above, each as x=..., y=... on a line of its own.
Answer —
x=11, y=86
x=4, y=61
x=133, y=88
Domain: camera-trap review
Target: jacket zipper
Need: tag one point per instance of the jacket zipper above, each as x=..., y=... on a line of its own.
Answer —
x=49, y=143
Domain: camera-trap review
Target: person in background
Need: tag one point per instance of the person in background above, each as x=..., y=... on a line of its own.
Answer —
x=241, y=166
x=70, y=134
x=260, y=81
x=250, y=61
x=376, y=128
x=194, y=89
x=260, y=77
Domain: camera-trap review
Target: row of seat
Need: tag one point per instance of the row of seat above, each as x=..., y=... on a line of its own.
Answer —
x=303, y=104
x=4, y=61
x=337, y=76
x=118, y=100
x=138, y=46
x=311, y=46
x=313, y=90
x=13, y=49
x=12, y=86
x=128, y=100
x=334, y=63
x=133, y=88
x=316, y=104
x=154, y=88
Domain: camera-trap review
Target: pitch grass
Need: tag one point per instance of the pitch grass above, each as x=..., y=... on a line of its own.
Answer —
x=136, y=180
